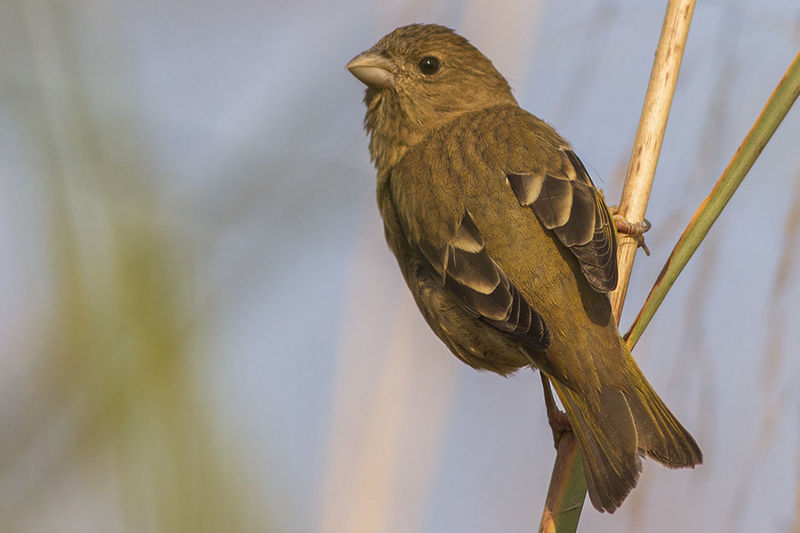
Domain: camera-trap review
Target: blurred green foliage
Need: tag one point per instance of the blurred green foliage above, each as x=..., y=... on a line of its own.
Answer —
x=115, y=432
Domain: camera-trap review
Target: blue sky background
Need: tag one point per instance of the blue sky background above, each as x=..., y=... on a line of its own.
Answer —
x=223, y=142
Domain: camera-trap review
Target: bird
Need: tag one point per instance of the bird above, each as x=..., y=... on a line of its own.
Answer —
x=507, y=247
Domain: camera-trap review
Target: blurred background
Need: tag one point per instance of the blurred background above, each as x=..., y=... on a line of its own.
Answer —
x=203, y=330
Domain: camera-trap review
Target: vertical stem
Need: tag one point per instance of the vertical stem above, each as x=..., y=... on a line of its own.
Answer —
x=568, y=484
x=567, y=489
x=647, y=146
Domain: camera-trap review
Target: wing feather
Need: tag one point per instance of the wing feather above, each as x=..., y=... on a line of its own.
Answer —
x=566, y=202
x=468, y=271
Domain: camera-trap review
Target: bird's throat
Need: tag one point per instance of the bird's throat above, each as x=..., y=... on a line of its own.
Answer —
x=392, y=130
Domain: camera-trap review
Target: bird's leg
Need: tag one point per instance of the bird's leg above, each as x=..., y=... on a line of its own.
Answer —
x=559, y=423
x=634, y=229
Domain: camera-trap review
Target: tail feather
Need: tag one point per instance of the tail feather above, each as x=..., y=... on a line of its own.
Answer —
x=615, y=428
x=608, y=445
x=661, y=435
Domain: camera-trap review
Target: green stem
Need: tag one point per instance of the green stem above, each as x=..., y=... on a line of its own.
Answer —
x=767, y=122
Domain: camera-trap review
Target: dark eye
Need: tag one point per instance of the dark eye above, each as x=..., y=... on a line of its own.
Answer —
x=429, y=65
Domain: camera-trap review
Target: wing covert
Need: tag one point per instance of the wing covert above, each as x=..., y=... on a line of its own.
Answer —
x=467, y=270
x=566, y=202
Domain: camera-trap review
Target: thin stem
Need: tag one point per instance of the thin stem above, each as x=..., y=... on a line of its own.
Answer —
x=647, y=146
x=767, y=122
x=567, y=490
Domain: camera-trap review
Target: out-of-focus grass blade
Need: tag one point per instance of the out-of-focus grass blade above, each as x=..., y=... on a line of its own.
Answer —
x=768, y=121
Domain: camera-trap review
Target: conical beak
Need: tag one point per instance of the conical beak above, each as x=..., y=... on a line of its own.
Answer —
x=372, y=70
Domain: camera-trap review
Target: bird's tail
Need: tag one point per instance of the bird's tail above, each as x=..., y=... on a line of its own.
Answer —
x=614, y=431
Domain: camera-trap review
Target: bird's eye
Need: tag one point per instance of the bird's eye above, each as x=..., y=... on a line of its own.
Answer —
x=428, y=65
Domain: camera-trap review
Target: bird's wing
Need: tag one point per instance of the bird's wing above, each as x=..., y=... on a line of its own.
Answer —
x=566, y=202
x=455, y=167
x=468, y=272
x=428, y=191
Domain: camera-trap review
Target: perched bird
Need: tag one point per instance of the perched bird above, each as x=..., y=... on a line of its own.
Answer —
x=508, y=248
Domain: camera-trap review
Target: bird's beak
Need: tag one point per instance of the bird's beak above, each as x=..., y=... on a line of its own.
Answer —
x=372, y=70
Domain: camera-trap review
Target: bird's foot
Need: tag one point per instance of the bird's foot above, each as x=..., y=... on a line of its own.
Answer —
x=558, y=420
x=559, y=425
x=634, y=229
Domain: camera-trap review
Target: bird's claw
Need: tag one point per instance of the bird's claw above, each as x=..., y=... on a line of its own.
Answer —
x=634, y=229
x=627, y=227
x=559, y=425
x=558, y=420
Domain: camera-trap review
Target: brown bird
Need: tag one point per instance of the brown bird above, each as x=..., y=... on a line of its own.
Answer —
x=508, y=248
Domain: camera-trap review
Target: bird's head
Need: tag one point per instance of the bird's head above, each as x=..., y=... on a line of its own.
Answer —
x=420, y=77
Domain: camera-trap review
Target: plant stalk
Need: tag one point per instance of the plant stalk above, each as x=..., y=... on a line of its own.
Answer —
x=567, y=490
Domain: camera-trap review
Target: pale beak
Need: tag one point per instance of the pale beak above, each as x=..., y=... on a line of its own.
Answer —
x=372, y=70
